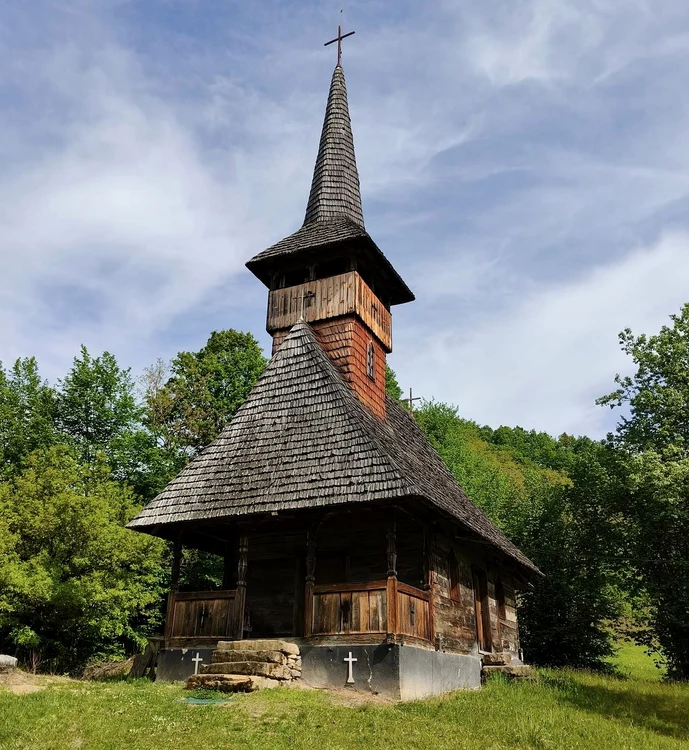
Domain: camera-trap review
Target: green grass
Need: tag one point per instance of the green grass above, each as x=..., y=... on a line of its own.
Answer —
x=636, y=663
x=563, y=710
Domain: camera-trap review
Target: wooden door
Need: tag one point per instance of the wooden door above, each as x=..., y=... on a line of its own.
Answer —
x=483, y=631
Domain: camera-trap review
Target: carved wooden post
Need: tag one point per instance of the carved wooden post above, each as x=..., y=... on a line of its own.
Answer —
x=240, y=599
x=310, y=579
x=392, y=580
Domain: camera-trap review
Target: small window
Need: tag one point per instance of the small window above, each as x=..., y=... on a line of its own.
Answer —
x=453, y=575
x=370, y=361
x=500, y=599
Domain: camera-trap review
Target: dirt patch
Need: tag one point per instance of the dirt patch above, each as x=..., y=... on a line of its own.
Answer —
x=354, y=699
x=23, y=683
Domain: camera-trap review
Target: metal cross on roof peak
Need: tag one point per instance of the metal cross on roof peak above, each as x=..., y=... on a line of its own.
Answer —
x=410, y=401
x=340, y=36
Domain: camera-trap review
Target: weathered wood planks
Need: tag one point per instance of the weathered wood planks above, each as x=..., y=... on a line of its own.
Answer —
x=333, y=297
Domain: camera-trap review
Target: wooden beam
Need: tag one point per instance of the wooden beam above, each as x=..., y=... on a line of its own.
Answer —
x=242, y=568
x=310, y=579
x=392, y=579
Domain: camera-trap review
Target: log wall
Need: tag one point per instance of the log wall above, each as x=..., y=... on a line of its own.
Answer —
x=455, y=618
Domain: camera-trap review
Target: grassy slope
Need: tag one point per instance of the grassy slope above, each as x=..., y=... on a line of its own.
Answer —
x=564, y=710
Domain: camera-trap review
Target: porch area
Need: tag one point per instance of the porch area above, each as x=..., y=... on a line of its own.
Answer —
x=329, y=581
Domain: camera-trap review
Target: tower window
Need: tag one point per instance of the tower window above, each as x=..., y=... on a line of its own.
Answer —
x=370, y=361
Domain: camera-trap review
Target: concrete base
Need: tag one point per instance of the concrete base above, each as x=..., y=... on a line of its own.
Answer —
x=177, y=664
x=394, y=671
x=391, y=670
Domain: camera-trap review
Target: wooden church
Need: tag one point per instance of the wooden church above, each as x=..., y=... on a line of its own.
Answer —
x=347, y=542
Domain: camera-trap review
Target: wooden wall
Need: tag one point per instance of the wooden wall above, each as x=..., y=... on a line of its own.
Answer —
x=455, y=618
x=355, y=544
x=333, y=297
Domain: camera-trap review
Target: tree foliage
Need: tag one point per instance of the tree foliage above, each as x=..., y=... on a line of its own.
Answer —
x=556, y=500
x=74, y=582
x=27, y=414
x=654, y=436
x=392, y=387
x=204, y=391
x=79, y=459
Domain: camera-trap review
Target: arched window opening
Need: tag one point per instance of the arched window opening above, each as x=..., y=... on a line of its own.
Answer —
x=370, y=361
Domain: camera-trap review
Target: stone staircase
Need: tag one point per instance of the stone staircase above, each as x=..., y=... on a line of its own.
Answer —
x=245, y=666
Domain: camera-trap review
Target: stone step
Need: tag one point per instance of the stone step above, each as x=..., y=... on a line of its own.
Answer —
x=256, y=668
x=225, y=655
x=230, y=683
x=260, y=644
x=497, y=659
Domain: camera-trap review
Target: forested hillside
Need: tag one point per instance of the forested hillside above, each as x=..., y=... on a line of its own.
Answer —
x=608, y=522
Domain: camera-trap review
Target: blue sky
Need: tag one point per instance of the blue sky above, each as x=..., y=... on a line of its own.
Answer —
x=524, y=164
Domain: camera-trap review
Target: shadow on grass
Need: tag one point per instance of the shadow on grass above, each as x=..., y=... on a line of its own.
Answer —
x=658, y=707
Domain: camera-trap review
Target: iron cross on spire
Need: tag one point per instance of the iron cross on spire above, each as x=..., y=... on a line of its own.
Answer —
x=340, y=36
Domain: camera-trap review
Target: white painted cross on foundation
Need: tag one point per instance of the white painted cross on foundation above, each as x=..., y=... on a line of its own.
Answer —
x=350, y=660
x=197, y=660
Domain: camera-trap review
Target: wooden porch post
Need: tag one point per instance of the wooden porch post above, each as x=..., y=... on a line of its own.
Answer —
x=428, y=584
x=392, y=580
x=240, y=600
x=310, y=579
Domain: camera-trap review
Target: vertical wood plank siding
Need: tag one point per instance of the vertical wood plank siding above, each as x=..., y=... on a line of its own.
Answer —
x=201, y=614
x=361, y=608
x=335, y=296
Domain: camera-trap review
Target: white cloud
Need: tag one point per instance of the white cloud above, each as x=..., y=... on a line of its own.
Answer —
x=514, y=151
x=542, y=363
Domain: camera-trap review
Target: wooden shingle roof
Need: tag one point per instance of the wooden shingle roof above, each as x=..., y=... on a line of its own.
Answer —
x=303, y=440
x=335, y=188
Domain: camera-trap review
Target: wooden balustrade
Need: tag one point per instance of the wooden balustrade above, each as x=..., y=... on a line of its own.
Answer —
x=362, y=608
x=201, y=616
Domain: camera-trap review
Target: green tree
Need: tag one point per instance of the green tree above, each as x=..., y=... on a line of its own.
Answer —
x=654, y=436
x=27, y=414
x=556, y=500
x=392, y=387
x=204, y=391
x=75, y=582
x=96, y=406
x=98, y=414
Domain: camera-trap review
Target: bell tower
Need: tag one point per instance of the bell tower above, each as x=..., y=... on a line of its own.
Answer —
x=330, y=272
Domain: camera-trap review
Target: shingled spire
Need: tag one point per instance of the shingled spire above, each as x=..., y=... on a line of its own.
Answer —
x=335, y=189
